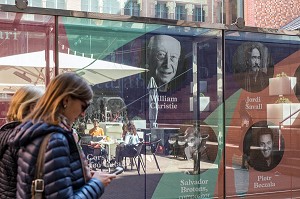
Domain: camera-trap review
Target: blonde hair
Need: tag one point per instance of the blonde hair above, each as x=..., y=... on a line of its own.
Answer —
x=51, y=103
x=22, y=101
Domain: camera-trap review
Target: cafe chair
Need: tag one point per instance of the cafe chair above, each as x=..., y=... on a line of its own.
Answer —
x=136, y=159
x=97, y=138
x=152, y=148
x=85, y=140
x=85, y=144
x=87, y=149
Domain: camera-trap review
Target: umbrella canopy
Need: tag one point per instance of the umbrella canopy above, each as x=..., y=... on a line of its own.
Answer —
x=29, y=68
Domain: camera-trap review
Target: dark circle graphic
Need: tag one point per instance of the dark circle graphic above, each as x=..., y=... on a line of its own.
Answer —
x=263, y=146
x=252, y=66
x=197, y=146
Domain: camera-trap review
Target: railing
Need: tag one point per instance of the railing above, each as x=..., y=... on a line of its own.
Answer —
x=280, y=125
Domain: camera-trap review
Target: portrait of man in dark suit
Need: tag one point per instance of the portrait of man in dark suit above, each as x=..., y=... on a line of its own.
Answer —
x=264, y=155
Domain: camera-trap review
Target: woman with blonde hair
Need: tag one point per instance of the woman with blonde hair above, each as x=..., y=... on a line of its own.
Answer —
x=65, y=174
x=21, y=104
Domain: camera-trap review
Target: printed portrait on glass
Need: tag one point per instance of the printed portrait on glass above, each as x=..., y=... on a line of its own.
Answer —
x=252, y=66
x=193, y=145
x=163, y=60
x=265, y=150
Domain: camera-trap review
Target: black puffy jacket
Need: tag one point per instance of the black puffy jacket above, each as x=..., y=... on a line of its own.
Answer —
x=8, y=162
x=63, y=173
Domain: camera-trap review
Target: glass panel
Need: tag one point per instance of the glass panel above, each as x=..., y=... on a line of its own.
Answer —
x=262, y=105
x=99, y=48
x=22, y=54
x=183, y=63
x=8, y=16
x=107, y=54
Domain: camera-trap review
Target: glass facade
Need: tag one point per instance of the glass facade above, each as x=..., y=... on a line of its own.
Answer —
x=222, y=105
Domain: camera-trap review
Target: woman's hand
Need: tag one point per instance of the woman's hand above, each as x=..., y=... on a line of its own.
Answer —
x=105, y=178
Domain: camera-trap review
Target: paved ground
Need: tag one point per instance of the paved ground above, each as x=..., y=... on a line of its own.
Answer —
x=130, y=185
x=133, y=186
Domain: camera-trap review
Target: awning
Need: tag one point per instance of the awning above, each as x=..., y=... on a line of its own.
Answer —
x=29, y=68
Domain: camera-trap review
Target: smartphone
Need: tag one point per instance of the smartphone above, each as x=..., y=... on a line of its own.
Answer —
x=117, y=170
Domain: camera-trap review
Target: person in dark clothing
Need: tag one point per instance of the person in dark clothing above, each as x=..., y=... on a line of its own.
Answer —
x=65, y=172
x=260, y=163
x=128, y=147
x=21, y=104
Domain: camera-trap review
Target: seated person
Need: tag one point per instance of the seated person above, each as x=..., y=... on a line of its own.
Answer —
x=128, y=147
x=96, y=131
x=125, y=130
x=99, y=150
